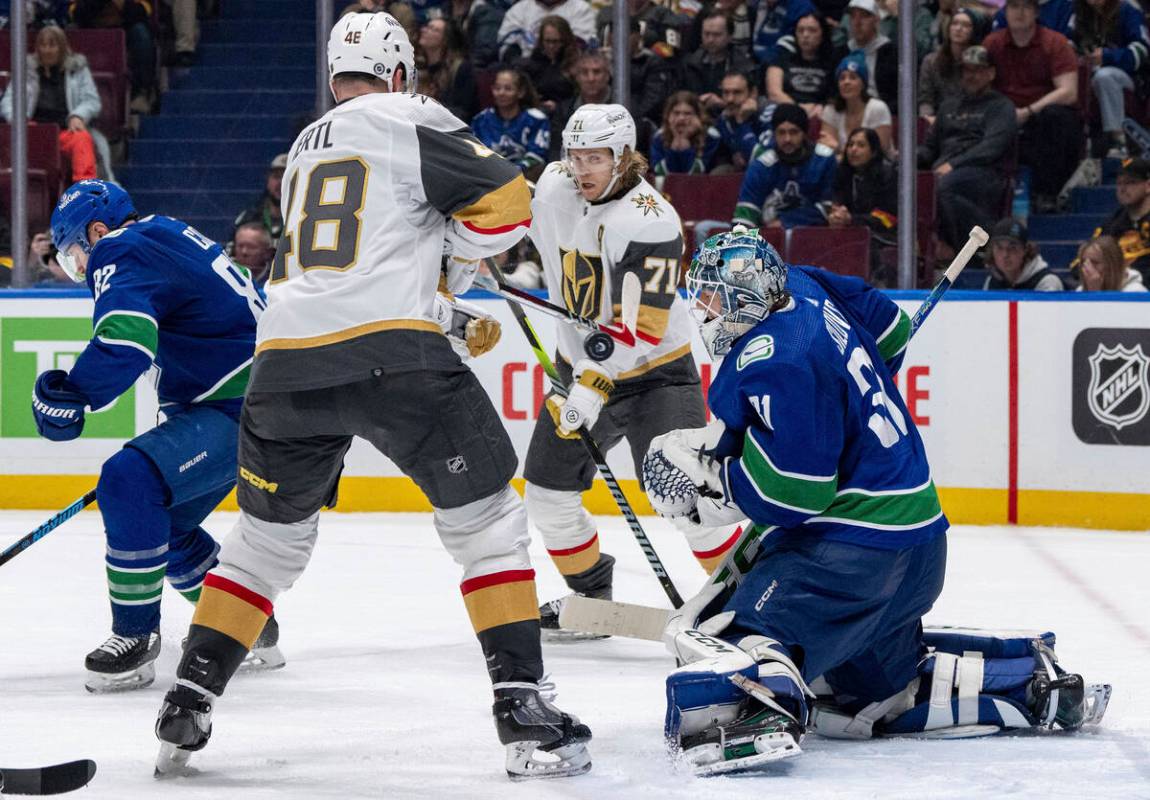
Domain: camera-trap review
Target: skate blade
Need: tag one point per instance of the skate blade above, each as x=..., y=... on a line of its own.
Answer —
x=172, y=762
x=953, y=732
x=565, y=636
x=110, y=682
x=771, y=747
x=263, y=659
x=1097, y=697
x=522, y=764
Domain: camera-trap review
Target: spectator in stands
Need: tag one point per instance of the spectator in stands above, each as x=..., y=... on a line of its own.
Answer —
x=939, y=77
x=1052, y=14
x=135, y=18
x=802, y=70
x=1015, y=262
x=551, y=65
x=739, y=124
x=774, y=20
x=686, y=143
x=1111, y=35
x=45, y=270
x=742, y=16
x=653, y=79
x=443, y=69
x=593, y=81
x=253, y=248
x=514, y=127
x=851, y=107
x=966, y=147
x=661, y=26
x=520, y=28
x=266, y=210
x=789, y=183
x=1130, y=224
x=703, y=70
x=922, y=22
x=480, y=19
x=401, y=11
x=59, y=90
x=187, y=30
x=866, y=189
x=1038, y=71
x=1101, y=268
x=5, y=250
x=881, y=53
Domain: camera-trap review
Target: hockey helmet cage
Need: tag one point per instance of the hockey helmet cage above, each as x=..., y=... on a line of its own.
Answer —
x=374, y=44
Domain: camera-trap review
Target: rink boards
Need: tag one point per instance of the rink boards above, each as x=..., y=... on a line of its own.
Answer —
x=1033, y=411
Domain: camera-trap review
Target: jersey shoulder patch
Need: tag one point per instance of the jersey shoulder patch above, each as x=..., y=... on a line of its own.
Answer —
x=824, y=151
x=759, y=348
x=536, y=113
x=769, y=157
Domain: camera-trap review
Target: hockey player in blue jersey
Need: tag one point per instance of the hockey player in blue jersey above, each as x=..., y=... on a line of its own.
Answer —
x=814, y=445
x=168, y=299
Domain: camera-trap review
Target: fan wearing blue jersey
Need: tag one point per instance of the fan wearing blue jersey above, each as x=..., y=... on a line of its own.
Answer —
x=167, y=299
x=814, y=445
x=514, y=127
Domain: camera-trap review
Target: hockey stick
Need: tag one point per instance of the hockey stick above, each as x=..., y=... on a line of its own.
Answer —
x=976, y=240
x=56, y=779
x=623, y=334
x=630, y=311
x=49, y=526
x=588, y=615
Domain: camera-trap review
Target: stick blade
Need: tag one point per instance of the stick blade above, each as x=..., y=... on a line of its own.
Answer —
x=630, y=296
x=56, y=779
x=610, y=618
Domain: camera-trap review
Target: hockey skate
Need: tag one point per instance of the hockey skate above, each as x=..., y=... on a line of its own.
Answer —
x=183, y=727
x=541, y=741
x=1066, y=701
x=760, y=736
x=265, y=654
x=596, y=583
x=122, y=663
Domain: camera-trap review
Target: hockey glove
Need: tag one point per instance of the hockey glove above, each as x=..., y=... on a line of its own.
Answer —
x=471, y=331
x=459, y=273
x=58, y=407
x=588, y=395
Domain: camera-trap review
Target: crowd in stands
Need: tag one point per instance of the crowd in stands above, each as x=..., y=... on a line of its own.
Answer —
x=799, y=97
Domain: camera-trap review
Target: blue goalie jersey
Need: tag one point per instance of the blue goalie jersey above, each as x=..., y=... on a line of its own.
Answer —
x=818, y=437
x=166, y=294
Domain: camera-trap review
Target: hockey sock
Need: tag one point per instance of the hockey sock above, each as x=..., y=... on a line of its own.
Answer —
x=192, y=554
x=571, y=561
x=596, y=581
x=228, y=620
x=504, y=612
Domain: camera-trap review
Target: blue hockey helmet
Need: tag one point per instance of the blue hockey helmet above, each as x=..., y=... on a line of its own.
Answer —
x=734, y=281
x=83, y=203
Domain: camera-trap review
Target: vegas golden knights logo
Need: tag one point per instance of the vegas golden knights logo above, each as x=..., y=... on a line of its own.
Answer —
x=582, y=282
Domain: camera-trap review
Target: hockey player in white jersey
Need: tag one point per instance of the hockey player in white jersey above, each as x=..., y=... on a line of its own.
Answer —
x=350, y=345
x=594, y=219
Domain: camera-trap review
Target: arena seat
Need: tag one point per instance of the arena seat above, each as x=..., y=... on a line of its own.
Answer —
x=699, y=197
x=842, y=250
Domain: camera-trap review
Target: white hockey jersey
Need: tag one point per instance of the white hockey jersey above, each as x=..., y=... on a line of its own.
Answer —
x=587, y=247
x=374, y=193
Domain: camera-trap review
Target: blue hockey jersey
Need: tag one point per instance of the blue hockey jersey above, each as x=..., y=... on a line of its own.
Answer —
x=796, y=194
x=828, y=447
x=168, y=295
x=524, y=140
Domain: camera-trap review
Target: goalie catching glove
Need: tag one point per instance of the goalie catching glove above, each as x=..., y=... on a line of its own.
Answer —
x=471, y=331
x=590, y=392
x=683, y=479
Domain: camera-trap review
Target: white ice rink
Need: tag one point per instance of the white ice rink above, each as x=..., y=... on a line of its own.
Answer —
x=385, y=693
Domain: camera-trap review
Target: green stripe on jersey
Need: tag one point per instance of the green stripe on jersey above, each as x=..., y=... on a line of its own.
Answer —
x=808, y=493
x=232, y=385
x=895, y=337
x=892, y=510
x=124, y=328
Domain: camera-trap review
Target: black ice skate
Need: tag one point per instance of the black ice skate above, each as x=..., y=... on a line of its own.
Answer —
x=542, y=741
x=1068, y=702
x=122, y=663
x=183, y=726
x=760, y=736
x=265, y=654
x=594, y=582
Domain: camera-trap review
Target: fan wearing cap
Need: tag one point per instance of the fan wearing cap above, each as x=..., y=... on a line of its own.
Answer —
x=1015, y=262
x=852, y=107
x=595, y=219
x=791, y=181
x=379, y=193
x=966, y=147
x=266, y=210
x=1130, y=222
x=880, y=52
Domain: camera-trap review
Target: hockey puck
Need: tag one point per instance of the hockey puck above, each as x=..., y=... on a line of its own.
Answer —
x=599, y=346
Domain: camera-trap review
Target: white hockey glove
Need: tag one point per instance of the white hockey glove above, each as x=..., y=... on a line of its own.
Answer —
x=471, y=331
x=589, y=393
x=683, y=457
x=686, y=618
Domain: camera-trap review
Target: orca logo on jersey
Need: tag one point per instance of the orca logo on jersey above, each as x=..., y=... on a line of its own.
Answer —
x=758, y=349
x=582, y=282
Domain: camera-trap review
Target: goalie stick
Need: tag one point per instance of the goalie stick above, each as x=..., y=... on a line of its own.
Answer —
x=56, y=779
x=610, y=618
x=55, y=522
x=629, y=313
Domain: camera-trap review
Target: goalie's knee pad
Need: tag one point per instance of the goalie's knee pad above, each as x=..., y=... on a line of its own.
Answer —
x=486, y=536
x=715, y=689
x=568, y=530
x=976, y=683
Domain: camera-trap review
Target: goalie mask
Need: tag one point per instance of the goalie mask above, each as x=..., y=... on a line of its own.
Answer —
x=734, y=281
x=372, y=44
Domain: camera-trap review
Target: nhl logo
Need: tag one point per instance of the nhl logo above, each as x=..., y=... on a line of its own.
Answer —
x=1119, y=390
x=456, y=465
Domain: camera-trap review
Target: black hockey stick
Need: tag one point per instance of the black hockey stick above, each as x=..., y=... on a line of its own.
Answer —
x=592, y=448
x=56, y=779
x=55, y=522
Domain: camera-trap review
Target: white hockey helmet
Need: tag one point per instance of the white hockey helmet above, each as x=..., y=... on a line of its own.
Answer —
x=600, y=125
x=375, y=44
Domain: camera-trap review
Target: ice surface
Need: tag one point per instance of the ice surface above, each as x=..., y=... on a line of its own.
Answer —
x=385, y=692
